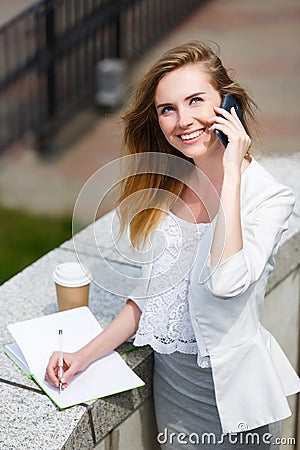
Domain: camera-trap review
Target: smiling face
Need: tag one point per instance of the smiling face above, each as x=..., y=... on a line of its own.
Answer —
x=184, y=101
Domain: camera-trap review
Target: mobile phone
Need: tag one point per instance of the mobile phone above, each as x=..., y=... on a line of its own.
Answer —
x=228, y=101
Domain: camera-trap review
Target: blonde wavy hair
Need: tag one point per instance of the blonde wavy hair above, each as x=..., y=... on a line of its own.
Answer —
x=142, y=200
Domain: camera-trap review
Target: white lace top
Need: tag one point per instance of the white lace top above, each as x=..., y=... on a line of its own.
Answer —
x=165, y=323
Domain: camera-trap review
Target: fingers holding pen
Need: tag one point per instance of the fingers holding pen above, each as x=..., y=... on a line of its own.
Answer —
x=51, y=375
x=73, y=364
x=52, y=370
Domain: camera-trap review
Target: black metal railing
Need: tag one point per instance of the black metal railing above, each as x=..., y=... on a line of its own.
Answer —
x=49, y=52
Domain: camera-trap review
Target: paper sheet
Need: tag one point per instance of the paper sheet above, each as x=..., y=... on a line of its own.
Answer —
x=38, y=338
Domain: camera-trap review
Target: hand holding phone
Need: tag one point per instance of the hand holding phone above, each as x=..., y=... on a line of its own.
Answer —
x=228, y=101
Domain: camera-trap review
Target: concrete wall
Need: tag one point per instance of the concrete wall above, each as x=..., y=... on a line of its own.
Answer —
x=281, y=317
x=137, y=432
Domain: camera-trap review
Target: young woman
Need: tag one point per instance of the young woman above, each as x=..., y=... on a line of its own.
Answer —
x=217, y=370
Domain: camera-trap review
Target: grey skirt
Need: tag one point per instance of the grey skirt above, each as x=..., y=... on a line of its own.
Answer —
x=186, y=411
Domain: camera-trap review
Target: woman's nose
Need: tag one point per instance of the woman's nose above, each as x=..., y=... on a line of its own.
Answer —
x=184, y=118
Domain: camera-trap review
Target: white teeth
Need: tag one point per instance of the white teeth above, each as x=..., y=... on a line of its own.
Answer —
x=186, y=137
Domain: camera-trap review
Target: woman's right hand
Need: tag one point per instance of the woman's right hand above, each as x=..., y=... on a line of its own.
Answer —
x=73, y=364
x=118, y=331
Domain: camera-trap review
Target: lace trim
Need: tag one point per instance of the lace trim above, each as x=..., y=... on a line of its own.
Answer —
x=203, y=361
x=181, y=347
x=165, y=322
x=166, y=348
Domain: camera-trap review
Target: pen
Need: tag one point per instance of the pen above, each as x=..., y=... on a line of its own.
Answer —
x=60, y=358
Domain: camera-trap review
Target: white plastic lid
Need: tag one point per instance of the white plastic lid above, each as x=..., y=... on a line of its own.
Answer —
x=71, y=274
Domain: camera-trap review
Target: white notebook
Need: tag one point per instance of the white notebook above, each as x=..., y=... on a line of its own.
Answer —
x=36, y=339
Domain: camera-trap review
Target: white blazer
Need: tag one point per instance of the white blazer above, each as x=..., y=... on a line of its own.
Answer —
x=252, y=376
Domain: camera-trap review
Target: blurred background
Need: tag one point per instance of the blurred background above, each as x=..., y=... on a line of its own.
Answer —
x=67, y=68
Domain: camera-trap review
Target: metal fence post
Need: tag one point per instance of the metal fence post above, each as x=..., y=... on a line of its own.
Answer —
x=50, y=46
x=118, y=36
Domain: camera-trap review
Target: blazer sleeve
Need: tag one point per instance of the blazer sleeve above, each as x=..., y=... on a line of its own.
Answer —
x=262, y=228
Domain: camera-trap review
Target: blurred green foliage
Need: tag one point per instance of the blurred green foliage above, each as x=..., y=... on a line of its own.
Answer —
x=25, y=237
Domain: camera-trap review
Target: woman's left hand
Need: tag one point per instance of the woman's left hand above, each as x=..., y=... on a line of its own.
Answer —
x=238, y=140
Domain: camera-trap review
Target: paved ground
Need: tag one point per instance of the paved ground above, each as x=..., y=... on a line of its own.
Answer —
x=10, y=8
x=258, y=38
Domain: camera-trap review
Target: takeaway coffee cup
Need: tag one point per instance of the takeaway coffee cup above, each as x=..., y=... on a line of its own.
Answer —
x=72, y=284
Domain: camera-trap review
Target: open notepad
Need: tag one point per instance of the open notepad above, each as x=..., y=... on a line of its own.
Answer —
x=36, y=339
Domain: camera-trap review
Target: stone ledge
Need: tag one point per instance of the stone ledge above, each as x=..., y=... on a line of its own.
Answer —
x=287, y=260
x=31, y=421
x=30, y=294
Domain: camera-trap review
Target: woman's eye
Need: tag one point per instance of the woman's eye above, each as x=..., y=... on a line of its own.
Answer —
x=196, y=100
x=167, y=109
